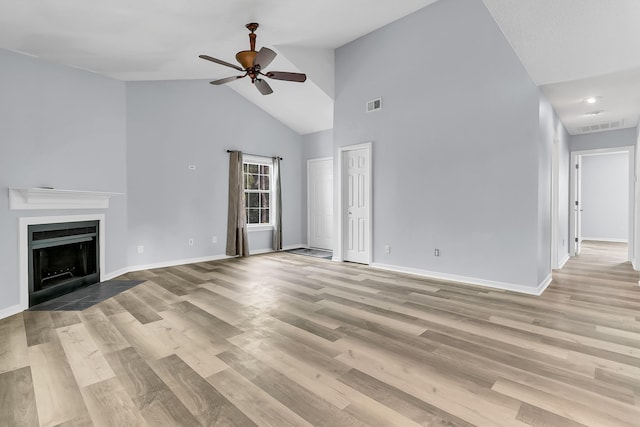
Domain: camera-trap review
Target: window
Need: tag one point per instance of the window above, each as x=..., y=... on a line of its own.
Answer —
x=257, y=190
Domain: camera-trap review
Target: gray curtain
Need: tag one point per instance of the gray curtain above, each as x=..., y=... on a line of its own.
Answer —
x=237, y=240
x=277, y=223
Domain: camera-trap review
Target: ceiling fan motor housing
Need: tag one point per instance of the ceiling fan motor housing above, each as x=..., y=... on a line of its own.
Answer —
x=246, y=57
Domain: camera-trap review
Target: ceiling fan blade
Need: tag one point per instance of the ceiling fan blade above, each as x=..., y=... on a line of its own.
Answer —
x=226, y=80
x=264, y=58
x=290, y=77
x=220, y=61
x=263, y=87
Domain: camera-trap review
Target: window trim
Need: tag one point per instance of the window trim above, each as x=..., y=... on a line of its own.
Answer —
x=259, y=227
x=247, y=158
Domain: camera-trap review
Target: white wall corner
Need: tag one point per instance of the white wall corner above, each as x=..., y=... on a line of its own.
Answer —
x=529, y=290
x=10, y=311
x=563, y=261
x=544, y=285
x=319, y=64
x=114, y=274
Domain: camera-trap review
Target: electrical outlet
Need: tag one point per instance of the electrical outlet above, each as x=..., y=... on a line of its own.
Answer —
x=214, y=239
x=387, y=249
x=190, y=242
x=436, y=252
x=140, y=249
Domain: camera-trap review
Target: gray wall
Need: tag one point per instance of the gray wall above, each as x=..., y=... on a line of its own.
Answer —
x=564, y=183
x=547, y=131
x=607, y=139
x=455, y=148
x=552, y=132
x=314, y=146
x=173, y=124
x=63, y=128
x=605, y=196
x=636, y=214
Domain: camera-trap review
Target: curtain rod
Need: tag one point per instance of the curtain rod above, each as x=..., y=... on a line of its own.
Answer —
x=257, y=155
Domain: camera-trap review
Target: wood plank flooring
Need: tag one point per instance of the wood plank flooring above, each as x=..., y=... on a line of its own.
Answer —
x=286, y=340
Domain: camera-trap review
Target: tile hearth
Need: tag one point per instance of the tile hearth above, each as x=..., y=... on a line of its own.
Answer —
x=86, y=297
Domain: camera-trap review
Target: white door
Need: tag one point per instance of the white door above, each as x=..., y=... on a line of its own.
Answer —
x=320, y=203
x=356, y=205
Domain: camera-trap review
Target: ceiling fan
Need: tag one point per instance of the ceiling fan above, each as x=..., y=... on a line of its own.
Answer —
x=253, y=63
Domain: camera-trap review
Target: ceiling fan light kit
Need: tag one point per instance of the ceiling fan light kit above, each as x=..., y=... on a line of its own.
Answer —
x=253, y=62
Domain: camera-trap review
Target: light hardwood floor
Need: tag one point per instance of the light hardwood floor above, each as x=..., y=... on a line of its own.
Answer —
x=285, y=340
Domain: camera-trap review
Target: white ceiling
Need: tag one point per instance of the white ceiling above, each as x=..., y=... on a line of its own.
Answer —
x=575, y=49
x=572, y=49
x=161, y=40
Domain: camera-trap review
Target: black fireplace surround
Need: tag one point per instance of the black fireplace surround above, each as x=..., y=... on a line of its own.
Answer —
x=62, y=258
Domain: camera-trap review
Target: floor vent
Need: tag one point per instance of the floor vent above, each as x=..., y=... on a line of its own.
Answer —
x=598, y=127
x=374, y=105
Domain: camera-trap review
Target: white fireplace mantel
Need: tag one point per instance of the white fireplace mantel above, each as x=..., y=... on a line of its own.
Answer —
x=54, y=198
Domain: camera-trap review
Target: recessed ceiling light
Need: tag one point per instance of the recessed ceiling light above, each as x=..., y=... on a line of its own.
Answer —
x=592, y=99
x=595, y=113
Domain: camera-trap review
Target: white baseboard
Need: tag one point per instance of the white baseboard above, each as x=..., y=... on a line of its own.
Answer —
x=114, y=274
x=269, y=250
x=289, y=247
x=605, y=239
x=468, y=280
x=173, y=263
x=261, y=251
x=10, y=311
x=564, y=260
x=544, y=285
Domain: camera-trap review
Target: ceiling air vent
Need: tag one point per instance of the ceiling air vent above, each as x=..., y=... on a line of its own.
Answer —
x=374, y=105
x=599, y=127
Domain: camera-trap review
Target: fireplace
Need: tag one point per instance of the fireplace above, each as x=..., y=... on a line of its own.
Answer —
x=61, y=258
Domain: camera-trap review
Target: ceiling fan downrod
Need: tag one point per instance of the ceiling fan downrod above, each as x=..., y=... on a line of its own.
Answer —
x=246, y=57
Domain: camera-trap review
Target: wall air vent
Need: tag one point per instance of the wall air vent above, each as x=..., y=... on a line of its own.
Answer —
x=374, y=105
x=599, y=127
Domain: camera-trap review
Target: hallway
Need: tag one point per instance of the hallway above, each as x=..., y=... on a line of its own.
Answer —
x=601, y=274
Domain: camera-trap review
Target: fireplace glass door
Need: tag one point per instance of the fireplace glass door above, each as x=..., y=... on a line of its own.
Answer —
x=62, y=258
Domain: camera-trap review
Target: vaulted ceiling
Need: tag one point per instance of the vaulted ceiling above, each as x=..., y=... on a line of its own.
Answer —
x=573, y=49
x=578, y=49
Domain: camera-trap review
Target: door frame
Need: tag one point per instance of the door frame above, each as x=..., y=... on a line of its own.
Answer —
x=309, y=161
x=338, y=253
x=574, y=184
x=575, y=155
x=555, y=200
